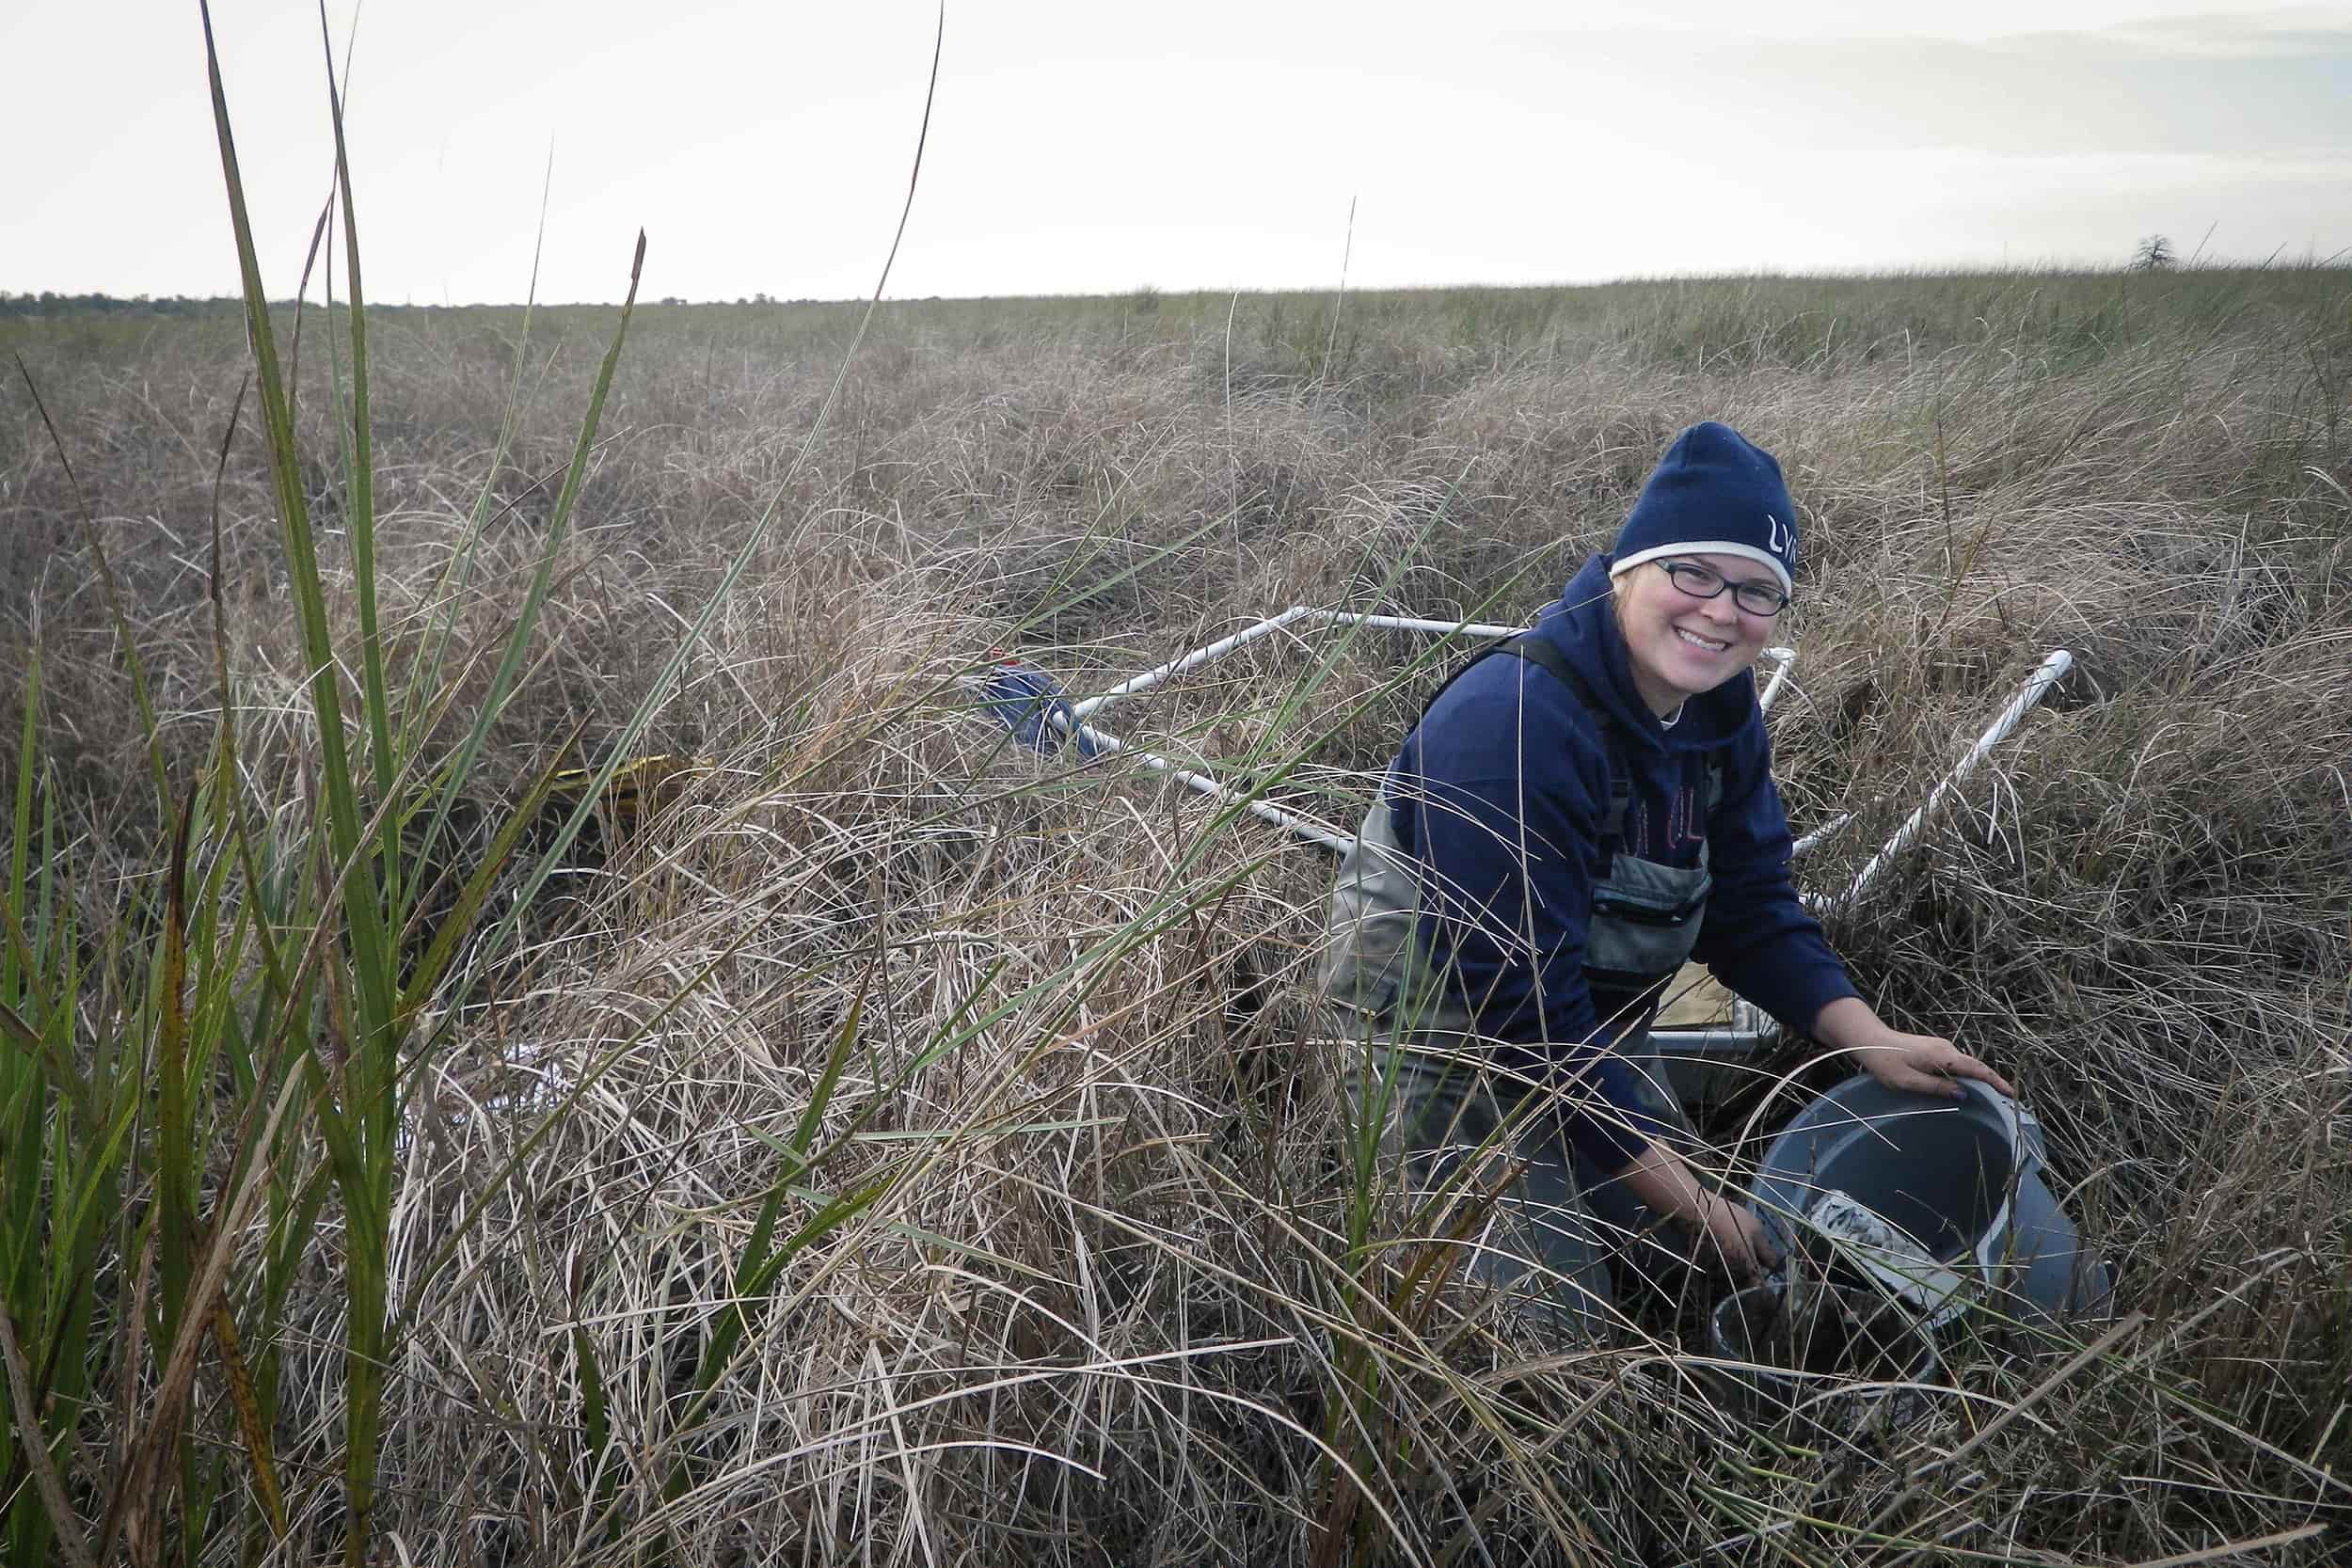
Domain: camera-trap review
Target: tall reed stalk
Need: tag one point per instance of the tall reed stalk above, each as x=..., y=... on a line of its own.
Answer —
x=254, y=1005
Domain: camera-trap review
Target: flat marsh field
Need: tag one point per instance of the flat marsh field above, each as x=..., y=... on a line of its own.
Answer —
x=866, y=1139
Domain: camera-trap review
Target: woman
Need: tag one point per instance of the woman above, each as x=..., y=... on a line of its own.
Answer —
x=1560, y=833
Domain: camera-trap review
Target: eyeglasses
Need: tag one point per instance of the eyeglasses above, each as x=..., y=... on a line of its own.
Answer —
x=1755, y=596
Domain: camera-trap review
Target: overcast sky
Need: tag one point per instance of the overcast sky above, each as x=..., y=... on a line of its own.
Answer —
x=764, y=145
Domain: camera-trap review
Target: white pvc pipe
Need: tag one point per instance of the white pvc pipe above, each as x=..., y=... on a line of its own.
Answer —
x=2035, y=689
x=1809, y=840
x=1744, y=1039
x=1782, y=658
x=1302, y=827
x=1414, y=623
x=1086, y=708
x=1104, y=744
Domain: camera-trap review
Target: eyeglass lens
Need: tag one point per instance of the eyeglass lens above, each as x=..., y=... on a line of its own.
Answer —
x=1705, y=582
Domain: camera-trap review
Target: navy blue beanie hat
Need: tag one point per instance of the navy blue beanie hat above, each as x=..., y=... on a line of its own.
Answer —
x=1714, y=493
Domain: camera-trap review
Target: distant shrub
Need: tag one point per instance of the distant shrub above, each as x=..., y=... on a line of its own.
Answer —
x=2154, y=254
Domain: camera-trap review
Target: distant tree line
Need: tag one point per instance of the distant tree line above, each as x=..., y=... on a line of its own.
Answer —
x=48, y=303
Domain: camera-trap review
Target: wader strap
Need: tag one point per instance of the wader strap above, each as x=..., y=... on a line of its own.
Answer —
x=1538, y=650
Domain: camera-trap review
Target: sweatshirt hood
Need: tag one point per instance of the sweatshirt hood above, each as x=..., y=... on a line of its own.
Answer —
x=1582, y=625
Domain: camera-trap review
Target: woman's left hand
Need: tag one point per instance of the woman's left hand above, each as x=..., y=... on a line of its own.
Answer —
x=1923, y=1064
x=1916, y=1064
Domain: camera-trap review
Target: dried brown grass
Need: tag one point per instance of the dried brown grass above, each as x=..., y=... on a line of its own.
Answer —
x=1113, y=1299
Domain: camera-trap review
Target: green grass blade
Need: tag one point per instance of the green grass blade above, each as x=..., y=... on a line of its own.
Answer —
x=361, y=1132
x=361, y=490
x=813, y=1113
x=64, y=1522
x=303, y=583
x=757, y=1266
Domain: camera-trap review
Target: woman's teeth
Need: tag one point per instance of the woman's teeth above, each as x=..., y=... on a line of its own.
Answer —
x=1697, y=641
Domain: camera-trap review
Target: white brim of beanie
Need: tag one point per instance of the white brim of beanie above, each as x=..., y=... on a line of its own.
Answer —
x=1703, y=546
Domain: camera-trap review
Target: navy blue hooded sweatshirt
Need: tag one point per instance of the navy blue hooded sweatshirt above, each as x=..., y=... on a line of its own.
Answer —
x=1500, y=792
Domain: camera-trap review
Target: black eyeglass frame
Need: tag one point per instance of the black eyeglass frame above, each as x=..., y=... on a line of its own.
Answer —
x=1739, y=591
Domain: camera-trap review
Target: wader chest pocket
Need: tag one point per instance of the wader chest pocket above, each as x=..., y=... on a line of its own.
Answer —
x=1646, y=918
x=1652, y=893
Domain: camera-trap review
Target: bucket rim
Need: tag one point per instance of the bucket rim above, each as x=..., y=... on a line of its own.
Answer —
x=1980, y=1260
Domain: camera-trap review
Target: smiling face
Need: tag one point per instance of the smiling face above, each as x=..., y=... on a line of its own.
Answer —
x=1679, y=646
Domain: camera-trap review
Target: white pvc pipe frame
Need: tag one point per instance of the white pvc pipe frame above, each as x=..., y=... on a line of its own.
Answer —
x=1750, y=1028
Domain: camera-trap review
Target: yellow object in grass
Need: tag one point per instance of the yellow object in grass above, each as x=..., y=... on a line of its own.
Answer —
x=637, y=787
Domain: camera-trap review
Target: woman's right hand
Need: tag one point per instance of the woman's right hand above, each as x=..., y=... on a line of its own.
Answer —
x=1664, y=1182
x=1736, y=1238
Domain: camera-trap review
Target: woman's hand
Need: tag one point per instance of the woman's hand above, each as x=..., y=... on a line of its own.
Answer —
x=1917, y=1063
x=1924, y=1064
x=1666, y=1185
x=1737, y=1238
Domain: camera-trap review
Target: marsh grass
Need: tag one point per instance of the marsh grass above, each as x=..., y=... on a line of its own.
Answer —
x=897, y=1144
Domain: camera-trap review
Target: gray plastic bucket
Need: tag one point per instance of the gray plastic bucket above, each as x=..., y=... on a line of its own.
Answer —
x=1963, y=1178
